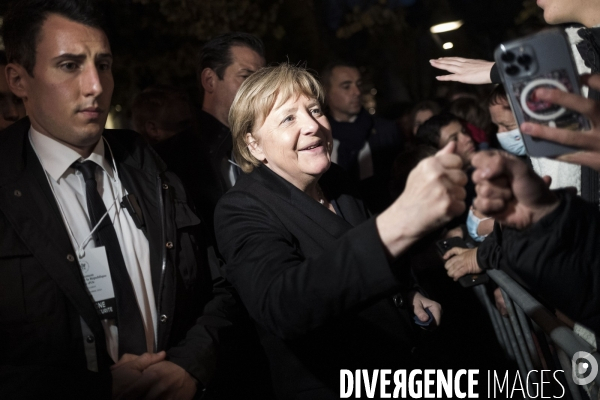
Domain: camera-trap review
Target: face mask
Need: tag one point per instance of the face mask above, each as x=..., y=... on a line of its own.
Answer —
x=512, y=141
x=472, y=225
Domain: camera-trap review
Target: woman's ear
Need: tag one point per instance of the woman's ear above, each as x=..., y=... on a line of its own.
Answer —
x=255, y=148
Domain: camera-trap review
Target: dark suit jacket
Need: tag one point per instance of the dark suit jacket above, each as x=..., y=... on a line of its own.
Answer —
x=385, y=142
x=199, y=157
x=319, y=286
x=42, y=295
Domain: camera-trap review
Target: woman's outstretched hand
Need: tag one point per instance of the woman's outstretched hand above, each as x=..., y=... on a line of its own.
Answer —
x=465, y=70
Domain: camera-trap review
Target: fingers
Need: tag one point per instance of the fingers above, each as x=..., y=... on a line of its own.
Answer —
x=420, y=312
x=579, y=139
x=447, y=149
x=455, y=267
x=587, y=107
x=449, y=78
x=147, y=359
x=498, y=188
x=488, y=165
x=452, y=252
x=593, y=81
x=491, y=207
x=125, y=358
x=587, y=158
x=547, y=180
x=500, y=304
x=436, y=311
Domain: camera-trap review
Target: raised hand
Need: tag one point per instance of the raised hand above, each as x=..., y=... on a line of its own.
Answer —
x=465, y=70
x=588, y=142
x=508, y=190
x=434, y=194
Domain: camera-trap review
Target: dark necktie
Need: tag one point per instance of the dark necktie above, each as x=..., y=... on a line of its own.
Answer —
x=132, y=337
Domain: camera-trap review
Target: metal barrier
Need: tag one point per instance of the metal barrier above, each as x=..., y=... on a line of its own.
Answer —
x=533, y=336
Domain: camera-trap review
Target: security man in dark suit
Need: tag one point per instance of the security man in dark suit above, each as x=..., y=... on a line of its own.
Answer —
x=105, y=288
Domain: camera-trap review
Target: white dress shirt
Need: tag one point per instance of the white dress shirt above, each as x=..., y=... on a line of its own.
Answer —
x=68, y=187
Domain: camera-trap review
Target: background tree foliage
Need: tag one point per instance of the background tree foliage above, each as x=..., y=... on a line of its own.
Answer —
x=156, y=41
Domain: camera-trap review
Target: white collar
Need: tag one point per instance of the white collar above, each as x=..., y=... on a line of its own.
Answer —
x=56, y=158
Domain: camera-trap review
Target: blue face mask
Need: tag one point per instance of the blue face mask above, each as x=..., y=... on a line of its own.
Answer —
x=512, y=141
x=472, y=224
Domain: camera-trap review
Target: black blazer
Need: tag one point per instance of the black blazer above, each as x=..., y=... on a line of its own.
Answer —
x=319, y=286
x=42, y=294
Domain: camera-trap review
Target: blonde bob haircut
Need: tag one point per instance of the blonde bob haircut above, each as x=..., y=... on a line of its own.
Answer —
x=258, y=95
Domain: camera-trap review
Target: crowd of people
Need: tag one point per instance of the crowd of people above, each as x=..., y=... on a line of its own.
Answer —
x=256, y=247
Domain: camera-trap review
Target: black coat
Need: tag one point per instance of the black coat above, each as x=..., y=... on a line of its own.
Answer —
x=557, y=259
x=199, y=158
x=319, y=286
x=385, y=142
x=42, y=294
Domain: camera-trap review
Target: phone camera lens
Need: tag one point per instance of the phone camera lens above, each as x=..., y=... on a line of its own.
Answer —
x=512, y=70
x=524, y=59
x=508, y=56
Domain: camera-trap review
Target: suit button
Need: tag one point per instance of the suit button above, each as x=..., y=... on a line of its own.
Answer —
x=70, y=257
x=90, y=339
x=18, y=193
x=398, y=300
x=169, y=245
x=165, y=186
x=163, y=318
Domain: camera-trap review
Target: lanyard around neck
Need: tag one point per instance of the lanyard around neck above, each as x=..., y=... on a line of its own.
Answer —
x=85, y=241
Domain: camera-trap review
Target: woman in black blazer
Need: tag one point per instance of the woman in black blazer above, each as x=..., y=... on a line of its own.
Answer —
x=324, y=283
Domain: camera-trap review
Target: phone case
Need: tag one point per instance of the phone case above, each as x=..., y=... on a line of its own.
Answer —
x=540, y=60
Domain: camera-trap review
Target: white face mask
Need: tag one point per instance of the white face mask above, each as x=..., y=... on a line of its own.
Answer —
x=512, y=141
x=473, y=224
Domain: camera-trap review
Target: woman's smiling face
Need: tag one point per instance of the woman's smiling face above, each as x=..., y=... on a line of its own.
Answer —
x=294, y=141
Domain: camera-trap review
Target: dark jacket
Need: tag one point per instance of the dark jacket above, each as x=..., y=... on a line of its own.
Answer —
x=43, y=298
x=557, y=258
x=319, y=286
x=199, y=156
x=385, y=142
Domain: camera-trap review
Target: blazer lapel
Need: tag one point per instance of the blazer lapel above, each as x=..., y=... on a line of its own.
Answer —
x=35, y=216
x=331, y=223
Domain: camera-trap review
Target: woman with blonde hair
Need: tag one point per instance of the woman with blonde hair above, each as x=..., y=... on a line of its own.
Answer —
x=324, y=283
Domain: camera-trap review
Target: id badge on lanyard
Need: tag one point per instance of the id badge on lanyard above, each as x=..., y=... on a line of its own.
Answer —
x=96, y=274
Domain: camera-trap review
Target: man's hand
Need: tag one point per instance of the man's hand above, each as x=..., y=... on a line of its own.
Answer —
x=465, y=70
x=419, y=303
x=461, y=262
x=509, y=191
x=434, y=194
x=128, y=370
x=162, y=380
x=588, y=142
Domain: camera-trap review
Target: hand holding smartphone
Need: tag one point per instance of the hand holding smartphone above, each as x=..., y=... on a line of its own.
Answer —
x=542, y=60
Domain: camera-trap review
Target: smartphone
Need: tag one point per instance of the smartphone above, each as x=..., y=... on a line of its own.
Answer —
x=542, y=60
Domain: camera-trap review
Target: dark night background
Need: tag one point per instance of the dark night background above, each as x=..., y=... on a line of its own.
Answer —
x=156, y=41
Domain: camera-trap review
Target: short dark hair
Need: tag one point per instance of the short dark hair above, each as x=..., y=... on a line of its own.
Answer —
x=472, y=111
x=327, y=71
x=3, y=58
x=497, y=96
x=216, y=53
x=24, y=19
x=429, y=131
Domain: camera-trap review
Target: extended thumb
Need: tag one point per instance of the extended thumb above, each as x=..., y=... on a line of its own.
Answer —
x=448, y=149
